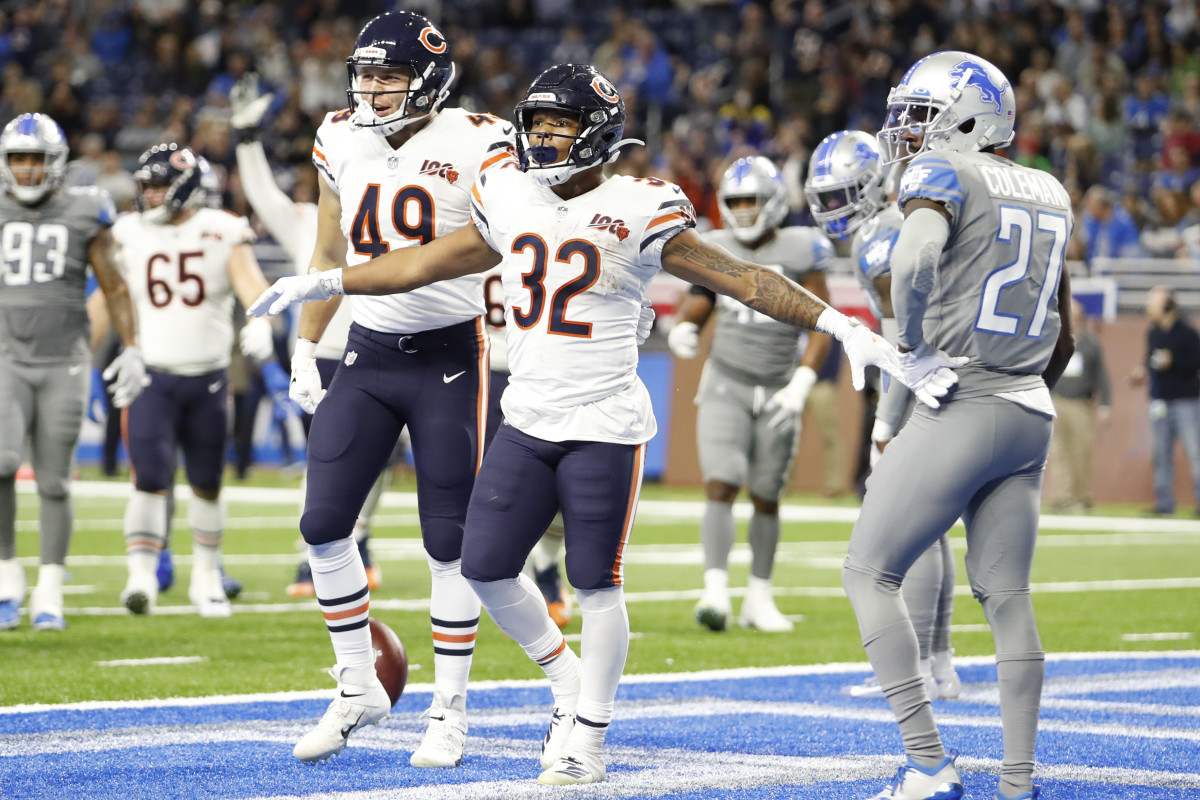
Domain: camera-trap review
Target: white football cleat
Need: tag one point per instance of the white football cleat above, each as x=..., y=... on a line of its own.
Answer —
x=759, y=611
x=346, y=714
x=714, y=609
x=207, y=594
x=562, y=723
x=575, y=767
x=46, y=610
x=443, y=744
x=140, y=594
x=914, y=782
x=870, y=689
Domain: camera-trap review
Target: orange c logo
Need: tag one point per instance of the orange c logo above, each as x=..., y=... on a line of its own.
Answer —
x=433, y=40
x=181, y=159
x=605, y=89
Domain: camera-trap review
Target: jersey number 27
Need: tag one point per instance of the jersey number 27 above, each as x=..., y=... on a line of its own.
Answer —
x=1020, y=221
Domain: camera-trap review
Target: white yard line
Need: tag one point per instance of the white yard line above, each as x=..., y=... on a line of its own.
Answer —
x=152, y=662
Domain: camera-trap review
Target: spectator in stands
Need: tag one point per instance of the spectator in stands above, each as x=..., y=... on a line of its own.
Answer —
x=1173, y=367
x=1082, y=398
x=1108, y=229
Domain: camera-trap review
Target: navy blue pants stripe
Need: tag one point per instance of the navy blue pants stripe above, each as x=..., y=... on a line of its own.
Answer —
x=435, y=385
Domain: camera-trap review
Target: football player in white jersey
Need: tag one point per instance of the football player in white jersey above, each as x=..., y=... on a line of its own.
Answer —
x=577, y=251
x=846, y=189
x=294, y=226
x=755, y=384
x=396, y=172
x=184, y=263
x=50, y=234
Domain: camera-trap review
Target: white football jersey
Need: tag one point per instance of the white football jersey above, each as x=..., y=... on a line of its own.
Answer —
x=574, y=274
x=407, y=197
x=178, y=277
x=493, y=318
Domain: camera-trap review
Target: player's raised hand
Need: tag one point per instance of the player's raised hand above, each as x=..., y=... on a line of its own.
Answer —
x=930, y=373
x=248, y=104
x=296, y=289
x=128, y=375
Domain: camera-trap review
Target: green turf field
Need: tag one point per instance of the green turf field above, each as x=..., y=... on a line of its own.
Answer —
x=1107, y=582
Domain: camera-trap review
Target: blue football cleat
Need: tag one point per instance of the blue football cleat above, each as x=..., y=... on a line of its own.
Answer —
x=232, y=586
x=166, y=570
x=10, y=614
x=914, y=782
x=49, y=622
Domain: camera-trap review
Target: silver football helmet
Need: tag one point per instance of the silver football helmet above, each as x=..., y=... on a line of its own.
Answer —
x=845, y=184
x=953, y=101
x=756, y=177
x=33, y=133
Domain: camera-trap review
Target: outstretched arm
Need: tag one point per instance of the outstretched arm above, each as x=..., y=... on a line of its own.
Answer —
x=463, y=252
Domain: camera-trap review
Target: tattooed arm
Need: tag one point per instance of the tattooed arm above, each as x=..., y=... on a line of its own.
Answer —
x=689, y=257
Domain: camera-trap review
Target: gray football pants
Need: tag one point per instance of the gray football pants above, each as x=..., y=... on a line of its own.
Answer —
x=981, y=459
x=45, y=404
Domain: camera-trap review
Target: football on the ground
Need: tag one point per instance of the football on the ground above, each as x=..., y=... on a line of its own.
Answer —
x=391, y=662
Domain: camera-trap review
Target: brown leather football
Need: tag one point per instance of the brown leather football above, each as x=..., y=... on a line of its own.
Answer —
x=391, y=662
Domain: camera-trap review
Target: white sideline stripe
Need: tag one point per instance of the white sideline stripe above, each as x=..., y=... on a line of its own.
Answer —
x=150, y=662
x=850, y=669
x=679, y=509
x=663, y=596
x=982, y=627
x=1164, y=636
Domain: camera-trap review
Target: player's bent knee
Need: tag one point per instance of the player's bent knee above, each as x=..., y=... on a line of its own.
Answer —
x=486, y=570
x=769, y=508
x=325, y=525
x=595, y=601
x=720, y=491
x=1010, y=614
x=862, y=582
x=53, y=487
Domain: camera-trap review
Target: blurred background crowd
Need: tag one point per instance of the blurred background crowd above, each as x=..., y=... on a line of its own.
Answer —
x=1108, y=93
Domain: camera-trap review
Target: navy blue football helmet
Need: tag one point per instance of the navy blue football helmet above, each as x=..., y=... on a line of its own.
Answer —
x=583, y=91
x=187, y=177
x=400, y=40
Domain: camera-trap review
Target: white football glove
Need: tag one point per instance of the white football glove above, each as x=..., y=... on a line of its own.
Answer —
x=881, y=434
x=128, y=375
x=645, y=322
x=791, y=398
x=247, y=105
x=684, y=340
x=863, y=348
x=930, y=373
x=305, y=388
x=257, y=340
x=297, y=289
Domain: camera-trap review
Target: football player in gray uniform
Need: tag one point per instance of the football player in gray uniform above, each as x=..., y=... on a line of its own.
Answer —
x=50, y=234
x=847, y=191
x=757, y=378
x=977, y=273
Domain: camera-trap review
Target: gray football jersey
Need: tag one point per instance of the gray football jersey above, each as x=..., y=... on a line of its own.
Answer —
x=43, y=318
x=871, y=252
x=751, y=346
x=995, y=296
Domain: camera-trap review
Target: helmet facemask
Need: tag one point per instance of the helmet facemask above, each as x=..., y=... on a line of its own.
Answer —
x=590, y=146
x=423, y=95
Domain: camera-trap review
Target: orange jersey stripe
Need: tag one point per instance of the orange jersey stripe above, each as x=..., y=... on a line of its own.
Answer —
x=481, y=413
x=350, y=612
x=321, y=156
x=664, y=218
x=475, y=194
x=494, y=159
x=460, y=638
x=635, y=488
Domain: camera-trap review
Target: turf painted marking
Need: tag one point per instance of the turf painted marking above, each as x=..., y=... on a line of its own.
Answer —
x=152, y=662
x=1164, y=636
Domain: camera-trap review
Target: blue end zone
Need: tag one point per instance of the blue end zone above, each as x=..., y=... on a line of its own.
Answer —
x=1119, y=725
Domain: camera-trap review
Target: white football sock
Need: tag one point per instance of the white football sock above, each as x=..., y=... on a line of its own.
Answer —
x=604, y=649
x=340, y=582
x=454, y=617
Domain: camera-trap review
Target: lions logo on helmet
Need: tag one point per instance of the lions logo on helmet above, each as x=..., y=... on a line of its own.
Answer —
x=584, y=92
x=845, y=185
x=754, y=178
x=399, y=40
x=948, y=101
x=187, y=178
x=37, y=134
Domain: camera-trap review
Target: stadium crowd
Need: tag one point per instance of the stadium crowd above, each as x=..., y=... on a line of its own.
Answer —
x=1108, y=93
